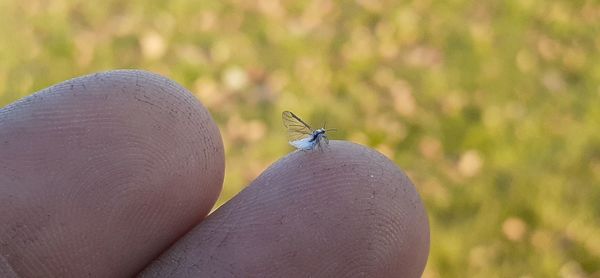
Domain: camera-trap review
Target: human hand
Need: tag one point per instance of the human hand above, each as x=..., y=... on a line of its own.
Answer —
x=112, y=174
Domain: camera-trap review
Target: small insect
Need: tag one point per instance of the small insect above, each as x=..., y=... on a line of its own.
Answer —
x=301, y=135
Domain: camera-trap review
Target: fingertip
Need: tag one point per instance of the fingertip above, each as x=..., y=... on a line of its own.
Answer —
x=115, y=165
x=342, y=211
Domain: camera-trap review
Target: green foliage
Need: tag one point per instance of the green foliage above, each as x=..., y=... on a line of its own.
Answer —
x=492, y=107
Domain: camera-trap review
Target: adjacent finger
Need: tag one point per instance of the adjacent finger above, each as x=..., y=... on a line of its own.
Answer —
x=99, y=174
x=345, y=212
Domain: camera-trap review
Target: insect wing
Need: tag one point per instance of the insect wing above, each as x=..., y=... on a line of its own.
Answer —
x=296, y=128
x=303, y=144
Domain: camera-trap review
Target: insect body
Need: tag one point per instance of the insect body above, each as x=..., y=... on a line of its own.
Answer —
x=301, y=135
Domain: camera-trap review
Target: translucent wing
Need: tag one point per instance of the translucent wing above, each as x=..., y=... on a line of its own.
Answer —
x=296, y=127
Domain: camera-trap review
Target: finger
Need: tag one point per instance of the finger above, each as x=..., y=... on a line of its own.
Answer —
x=344, y=212
x=101, y=173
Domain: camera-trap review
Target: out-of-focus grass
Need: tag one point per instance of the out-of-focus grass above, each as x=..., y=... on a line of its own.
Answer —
x=492, y=107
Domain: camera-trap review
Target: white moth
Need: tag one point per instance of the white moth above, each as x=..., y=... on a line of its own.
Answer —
x=301, y=135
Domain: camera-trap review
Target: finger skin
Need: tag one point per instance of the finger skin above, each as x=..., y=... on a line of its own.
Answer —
x=345, y=212
x=101, y=173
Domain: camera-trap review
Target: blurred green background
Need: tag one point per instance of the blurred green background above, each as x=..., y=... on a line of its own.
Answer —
x=491, y=107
